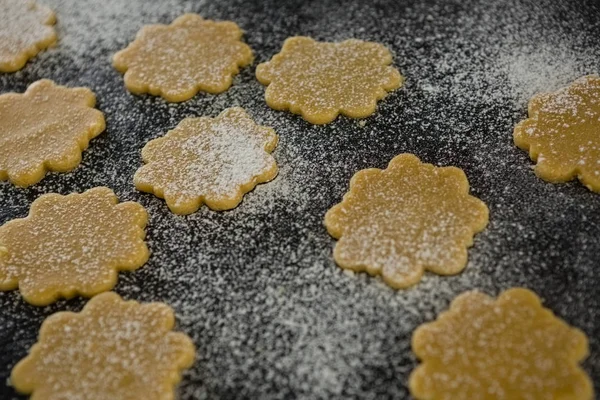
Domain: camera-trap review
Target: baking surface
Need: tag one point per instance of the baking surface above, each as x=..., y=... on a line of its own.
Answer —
x=256, y=288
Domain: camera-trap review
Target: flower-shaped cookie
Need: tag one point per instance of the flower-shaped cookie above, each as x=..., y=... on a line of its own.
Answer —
x=403, y=220
x=112, y=349
x=562, y=133
x=320, y=80
x=25, y=30
x=177, y=61
x=71, y=245
x=212, y=161
x=509, y=348
x=45, y=129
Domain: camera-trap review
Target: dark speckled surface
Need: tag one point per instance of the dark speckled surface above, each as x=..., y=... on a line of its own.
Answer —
x=256, y=288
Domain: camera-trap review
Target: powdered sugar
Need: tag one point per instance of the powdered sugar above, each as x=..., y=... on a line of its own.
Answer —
x=212, y=161
x=256, y=287
x=239, y=153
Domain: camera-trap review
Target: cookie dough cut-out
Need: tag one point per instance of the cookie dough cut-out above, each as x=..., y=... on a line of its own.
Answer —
x=71, y=245
x=505, y=348
x=112, y=349
x=320, y=80
x=212, y=161
x=177, y=61
x=403, y=220
x=25, y=30
x=45, y=129
x=562, y=133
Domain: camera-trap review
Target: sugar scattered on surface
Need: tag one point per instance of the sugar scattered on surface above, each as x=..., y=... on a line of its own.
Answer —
x=256, y=287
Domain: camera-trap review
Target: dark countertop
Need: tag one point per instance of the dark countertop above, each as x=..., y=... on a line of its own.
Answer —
x=271, y=314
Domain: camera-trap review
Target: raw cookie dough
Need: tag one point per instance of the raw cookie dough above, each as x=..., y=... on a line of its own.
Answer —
x=509, y=348
x=177, y=61
x=71, y=245
x=45, y=129
x=562, y=133
x=403, y=220
x=212, y=161
x=112, y=349
x=25, y=30
x=320, y=80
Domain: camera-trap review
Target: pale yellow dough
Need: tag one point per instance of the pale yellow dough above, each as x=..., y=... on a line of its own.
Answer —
x=562, y=133
x=320, y=80
x=25, y=30
x=177, y=61
x=45, y=129
x=506, y=348
x=404, y=220
x=212, y=161
x=112, y=349
x=71, y=245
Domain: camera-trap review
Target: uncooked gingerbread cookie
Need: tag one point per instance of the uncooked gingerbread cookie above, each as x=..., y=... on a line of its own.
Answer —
x=212, y=161
x=25, y=30
x=320, y=80
x=177, y=61
x=45, y=129
x=562, y=133
x=112, y=349
x=506, y=348
x=404, y=220
x=71, y=245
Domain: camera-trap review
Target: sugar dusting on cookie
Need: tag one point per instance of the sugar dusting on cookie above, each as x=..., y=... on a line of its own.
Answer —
x=26, y=28
x=111, y=349
x=212, y=161
x=72, y=245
